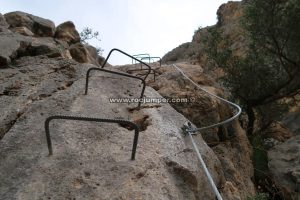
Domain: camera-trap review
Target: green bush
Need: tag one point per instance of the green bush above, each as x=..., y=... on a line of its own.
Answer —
x=259, y=158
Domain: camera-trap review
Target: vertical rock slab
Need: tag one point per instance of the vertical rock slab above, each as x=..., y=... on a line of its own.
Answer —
x=284, y=165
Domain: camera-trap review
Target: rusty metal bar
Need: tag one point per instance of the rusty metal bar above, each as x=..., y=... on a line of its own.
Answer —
x=112, y=72
x=117, y=121
x=120, y=51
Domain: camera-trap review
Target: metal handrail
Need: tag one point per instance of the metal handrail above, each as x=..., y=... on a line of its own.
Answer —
x=117, y=121
x=146, y=58
x=157, y=57
x=113, y=72
x=189, y=130
x=152, y=58
x=139, y=56
x=149, y=68
x=149, y=58
x=239, y=110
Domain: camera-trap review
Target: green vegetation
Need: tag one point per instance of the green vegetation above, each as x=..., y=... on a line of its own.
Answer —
x=261, y=70
x=259, y=196
x=88, y=34
x=260, y=158
x=267, y=69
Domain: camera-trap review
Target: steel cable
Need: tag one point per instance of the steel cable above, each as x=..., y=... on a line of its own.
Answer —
x=190, y=131
x=239, y=110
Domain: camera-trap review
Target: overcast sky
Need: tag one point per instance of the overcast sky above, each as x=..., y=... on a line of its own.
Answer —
x=135, y=26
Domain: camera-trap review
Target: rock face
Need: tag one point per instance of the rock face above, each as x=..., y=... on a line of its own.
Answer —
x=39, y=26
x=13, y=46
x=193, y=52
x=284, y=164
x=9, y=46
x=292, y=121
x=67, y=32
x=79, y=53
x=229, y=143
x=31, y=79
x=84, y=53
x=228, y=16
x=91, y=160
x=3, y=21
x=23, y=34
x=23, y=31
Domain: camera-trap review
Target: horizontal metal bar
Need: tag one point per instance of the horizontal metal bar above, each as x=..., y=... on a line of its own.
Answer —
x=140, y=55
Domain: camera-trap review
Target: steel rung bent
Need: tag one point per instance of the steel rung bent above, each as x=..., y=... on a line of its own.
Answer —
x=113, y=72
x=78, y=118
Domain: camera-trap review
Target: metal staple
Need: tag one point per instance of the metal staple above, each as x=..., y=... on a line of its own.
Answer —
x=112, y=72
x=129, y=123
x=120, y=51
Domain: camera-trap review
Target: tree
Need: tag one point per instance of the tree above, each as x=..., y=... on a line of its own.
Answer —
x=88, y=34
x=269, y=70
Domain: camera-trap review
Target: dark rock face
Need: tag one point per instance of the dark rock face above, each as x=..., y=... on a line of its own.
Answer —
x=39, y=26
x=67, y=32
x=42, y=27
x=3, y=21
x=292, y=121
x=284, y=164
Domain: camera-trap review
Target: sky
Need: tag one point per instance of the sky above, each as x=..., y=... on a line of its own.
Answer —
x=134, y=26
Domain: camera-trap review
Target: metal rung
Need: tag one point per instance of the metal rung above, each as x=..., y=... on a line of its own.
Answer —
x=112, y=72
x=120, y=51
x=117, y=121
